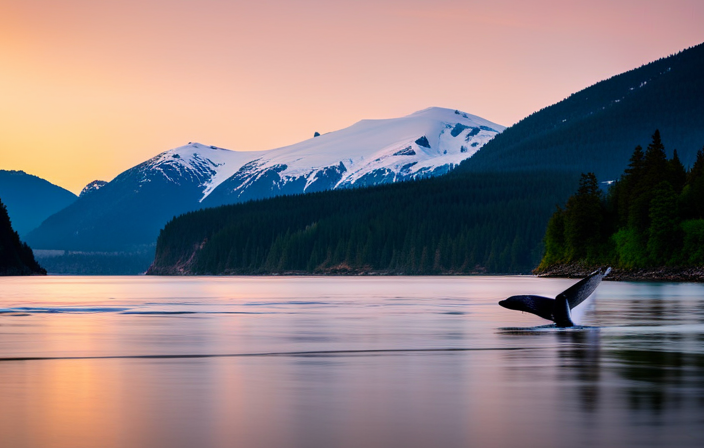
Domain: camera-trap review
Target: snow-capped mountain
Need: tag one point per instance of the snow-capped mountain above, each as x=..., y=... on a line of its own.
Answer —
x=202, y=165
x=129, y=211
x=370, y=152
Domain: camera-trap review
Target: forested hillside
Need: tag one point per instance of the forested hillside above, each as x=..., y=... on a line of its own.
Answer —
x=16, y=258
x=652, y=216
x=453, y=224
x=596, y=129
x=488, y=215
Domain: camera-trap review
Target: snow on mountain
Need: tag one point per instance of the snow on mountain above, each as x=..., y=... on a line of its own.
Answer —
x=370, y=152
x=92, y=187
x=128, y=212
x=207, y=166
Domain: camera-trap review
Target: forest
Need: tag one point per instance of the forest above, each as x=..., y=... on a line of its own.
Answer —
x=652, y=216
x=454, y=224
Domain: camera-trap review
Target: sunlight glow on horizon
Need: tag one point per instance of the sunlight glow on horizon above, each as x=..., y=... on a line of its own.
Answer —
x=90, y=89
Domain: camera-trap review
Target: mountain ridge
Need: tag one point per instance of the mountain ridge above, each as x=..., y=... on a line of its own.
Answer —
x=489, y=215
x=30, y=199
x=597, y=128
x=127, y=213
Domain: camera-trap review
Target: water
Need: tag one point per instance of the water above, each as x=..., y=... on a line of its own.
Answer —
x=345, y=362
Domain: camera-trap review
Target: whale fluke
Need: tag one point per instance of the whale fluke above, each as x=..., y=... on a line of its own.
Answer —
x=558, y=309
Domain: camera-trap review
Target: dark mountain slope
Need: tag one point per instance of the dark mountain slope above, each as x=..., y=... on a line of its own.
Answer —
x=16, y=258
x=597, y=128
x=30, y=199
x=124, y=215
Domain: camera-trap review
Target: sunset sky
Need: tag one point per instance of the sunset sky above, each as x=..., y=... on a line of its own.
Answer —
x=90, y=88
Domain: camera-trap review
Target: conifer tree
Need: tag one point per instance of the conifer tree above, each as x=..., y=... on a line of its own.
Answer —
x=677, y=173
x=584, y=218
x=663, y=234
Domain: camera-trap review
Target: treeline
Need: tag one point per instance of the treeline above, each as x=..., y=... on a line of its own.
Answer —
x=80, y=263
x=652, y=216
x=16, y=258
x=485, y=222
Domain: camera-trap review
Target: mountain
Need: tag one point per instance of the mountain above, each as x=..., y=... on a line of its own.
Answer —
x=127, y=213
x=16, y=258
x=91, y=187
x=371, y=152
x=596, y=129
x=487, y=215
x=30, y=199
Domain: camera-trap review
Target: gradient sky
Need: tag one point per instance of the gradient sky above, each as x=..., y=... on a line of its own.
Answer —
x=90, y=88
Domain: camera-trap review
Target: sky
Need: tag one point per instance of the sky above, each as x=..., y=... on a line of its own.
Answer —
x=91, y=88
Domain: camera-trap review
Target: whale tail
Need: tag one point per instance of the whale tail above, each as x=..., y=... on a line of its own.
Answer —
x=558, y=309
x=574, y=295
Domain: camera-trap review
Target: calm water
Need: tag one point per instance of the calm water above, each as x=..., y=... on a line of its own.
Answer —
x=344, y=362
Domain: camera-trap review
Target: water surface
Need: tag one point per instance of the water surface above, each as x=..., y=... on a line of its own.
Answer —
x=345, y=362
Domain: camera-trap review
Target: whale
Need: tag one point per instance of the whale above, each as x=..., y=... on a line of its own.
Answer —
x=559, y=309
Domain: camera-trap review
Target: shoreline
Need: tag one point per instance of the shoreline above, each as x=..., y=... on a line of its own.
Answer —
x=655, y=274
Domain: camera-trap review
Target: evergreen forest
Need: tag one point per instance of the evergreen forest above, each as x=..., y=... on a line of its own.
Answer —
x=454, y=224
x=652, y=216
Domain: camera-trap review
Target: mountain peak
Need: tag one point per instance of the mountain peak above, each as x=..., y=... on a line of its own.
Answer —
x=92, y=187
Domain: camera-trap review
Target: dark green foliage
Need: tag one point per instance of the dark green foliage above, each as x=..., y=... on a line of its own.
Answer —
x=653, y=216
x=595, y=129
x=452, y=224
x=16, y=258
x=693, y=241
x=584, y=218
x=692, y=200
x=663, y=232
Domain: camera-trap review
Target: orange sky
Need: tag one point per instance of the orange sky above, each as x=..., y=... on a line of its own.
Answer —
x=90, y=88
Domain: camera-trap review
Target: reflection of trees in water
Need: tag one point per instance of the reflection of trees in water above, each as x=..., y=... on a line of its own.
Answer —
x=656, y=380
x=582, y=359
x=661, y=380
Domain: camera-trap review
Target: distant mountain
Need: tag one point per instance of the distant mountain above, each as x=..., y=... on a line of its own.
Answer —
x=30, y=199
x=91, y=187
x=596, y=129
x=16, y=258
x=127, y=213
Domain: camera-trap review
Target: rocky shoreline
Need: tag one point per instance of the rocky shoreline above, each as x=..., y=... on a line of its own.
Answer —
x=656, y=274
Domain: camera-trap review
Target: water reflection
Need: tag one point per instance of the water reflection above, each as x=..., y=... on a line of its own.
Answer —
x=580, y=355
x=345, y=362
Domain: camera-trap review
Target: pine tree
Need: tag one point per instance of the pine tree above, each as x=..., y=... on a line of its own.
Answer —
x=584, y=215
x=663, y=235
x=677, y=173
